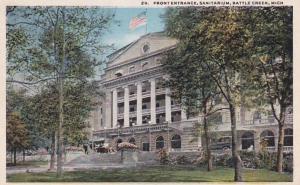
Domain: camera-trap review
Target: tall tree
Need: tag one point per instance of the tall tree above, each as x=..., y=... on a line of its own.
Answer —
x=218, y=38
x=64, y=42
x=192, y=87
x=271, y=74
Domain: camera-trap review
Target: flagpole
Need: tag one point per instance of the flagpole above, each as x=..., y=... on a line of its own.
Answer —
x=147, y=21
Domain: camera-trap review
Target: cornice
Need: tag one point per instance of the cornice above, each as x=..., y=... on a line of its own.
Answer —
x=152, y=72
x=149, y=55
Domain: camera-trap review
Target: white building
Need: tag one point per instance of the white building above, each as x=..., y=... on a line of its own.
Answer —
x=138, y=109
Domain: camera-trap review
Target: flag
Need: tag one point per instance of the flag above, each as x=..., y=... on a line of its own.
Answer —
x=138, y=21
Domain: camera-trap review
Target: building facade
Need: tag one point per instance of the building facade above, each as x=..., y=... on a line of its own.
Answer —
x=137, y=108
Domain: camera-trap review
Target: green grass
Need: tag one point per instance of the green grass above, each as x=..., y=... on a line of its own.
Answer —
x=153, y=174
x=29, y=163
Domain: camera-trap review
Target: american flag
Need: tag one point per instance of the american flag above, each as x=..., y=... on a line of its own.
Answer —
x=138, y=21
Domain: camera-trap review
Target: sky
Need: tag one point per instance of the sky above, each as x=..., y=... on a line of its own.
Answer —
x=120, y=34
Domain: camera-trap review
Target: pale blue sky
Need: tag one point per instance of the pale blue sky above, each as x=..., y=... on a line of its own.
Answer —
x=120, y=35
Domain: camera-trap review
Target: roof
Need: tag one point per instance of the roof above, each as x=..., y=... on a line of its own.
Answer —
x=120, y=51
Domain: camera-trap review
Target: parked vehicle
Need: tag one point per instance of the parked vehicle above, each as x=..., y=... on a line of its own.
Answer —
x=222, y=143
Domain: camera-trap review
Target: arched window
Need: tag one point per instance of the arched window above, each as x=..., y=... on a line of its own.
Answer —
x=131, y=69
x=160, y=143
x=176, y=141
x=247, y=140
x=288, y=137
x=268, y=136
x=132, y=141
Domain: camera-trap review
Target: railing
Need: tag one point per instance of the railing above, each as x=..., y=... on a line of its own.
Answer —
x=160, y=91
x=288, y=149
x=120, y=115
x=269, y=121
x=175, y=107
x=160, y=109
x=146, y=93
x=146, y=111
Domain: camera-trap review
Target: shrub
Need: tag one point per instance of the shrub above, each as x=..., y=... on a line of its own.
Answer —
x=163, y=156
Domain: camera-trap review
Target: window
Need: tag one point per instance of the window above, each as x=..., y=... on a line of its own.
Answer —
x=146, y=48
x=256, y=116
x=176, y=141
x=146, y=146
x=144, y=106
x=247, y=140
x=157, y=104
x=101, y=122
x=131, y=69
x=144, y=65
x=216, y=118
x=288, y=137
x=160, y=142
x=267, y=138
x=131, y=109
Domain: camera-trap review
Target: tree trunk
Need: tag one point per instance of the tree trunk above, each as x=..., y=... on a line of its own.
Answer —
x=52, y=157
x=61, y=102
x=237, y=162
x=280, y=141
x=207, y=139
x=207, y=143
x=15, y=156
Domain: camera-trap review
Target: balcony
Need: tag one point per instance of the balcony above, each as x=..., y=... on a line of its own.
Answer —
x=160, y=91
x=146, y=111
x=269, y=121
x=146, y=94
x=176, y=107
x=161, y=109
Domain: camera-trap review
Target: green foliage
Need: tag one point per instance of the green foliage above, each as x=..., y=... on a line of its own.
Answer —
x=163, y=156
x=16, y=132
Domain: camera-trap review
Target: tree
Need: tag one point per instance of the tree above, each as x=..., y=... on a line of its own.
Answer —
x=16, y=134
x=219, y=39
x=192, y=86
x=63, y=44
x=271, y=64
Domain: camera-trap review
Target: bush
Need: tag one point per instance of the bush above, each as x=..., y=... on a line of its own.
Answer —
x=266, y=160
x=163, y=156
x=223, y=160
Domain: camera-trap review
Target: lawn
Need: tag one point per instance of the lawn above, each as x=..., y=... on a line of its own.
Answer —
x=153, y=174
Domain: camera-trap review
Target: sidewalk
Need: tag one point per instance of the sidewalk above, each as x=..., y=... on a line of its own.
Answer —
x=78, y=163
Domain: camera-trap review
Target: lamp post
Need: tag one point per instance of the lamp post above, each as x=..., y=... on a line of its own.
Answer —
x=168, y=131
x=149, y=136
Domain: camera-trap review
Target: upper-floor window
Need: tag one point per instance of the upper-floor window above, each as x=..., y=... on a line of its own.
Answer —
x=145, y=65
x=119, y=73
x=146, y=48
x=131, y=69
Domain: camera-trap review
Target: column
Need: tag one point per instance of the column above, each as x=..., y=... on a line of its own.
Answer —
x=153, y=102
x=115, y=108
x=126, y=106
x=139, y=103
x=168, y=105
x=107, y=110
x=183, y=113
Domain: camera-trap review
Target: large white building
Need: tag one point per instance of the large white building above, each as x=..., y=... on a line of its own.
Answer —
x=137, y=107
